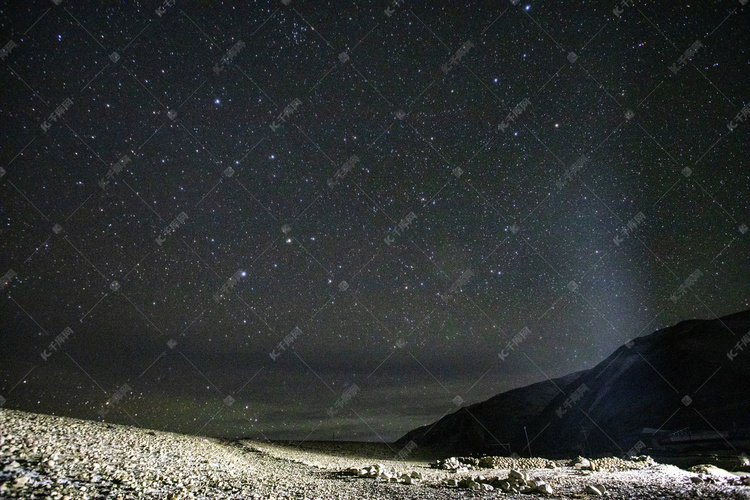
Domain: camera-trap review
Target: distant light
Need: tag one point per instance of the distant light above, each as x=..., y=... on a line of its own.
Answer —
x=288, y=240
x=216, y=101
x=528, y=7
x=243, y=274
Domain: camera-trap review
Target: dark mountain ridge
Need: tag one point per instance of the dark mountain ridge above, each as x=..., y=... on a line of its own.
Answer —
x=682, y=387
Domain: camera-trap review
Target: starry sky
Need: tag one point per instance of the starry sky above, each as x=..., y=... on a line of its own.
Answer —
x=308, y=220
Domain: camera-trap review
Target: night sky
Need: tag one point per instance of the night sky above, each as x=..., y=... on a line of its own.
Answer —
x=298, y=220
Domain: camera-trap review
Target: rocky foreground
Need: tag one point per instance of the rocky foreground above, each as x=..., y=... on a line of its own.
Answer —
x=44, y=456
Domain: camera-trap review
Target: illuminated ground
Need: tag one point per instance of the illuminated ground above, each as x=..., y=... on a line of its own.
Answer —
x=64, y=457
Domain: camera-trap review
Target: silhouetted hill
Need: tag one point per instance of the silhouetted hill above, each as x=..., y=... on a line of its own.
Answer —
x=680, y=387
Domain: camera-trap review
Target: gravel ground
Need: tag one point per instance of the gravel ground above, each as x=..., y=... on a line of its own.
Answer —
x=43, y=456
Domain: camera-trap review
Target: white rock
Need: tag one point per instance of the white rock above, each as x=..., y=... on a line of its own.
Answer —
x=545, y=488
x=21, y=481
x=583, y=463
x=473, y=485
x=516, y=474
x=593, y=490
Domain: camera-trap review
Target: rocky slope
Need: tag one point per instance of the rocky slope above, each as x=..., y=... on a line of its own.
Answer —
x=44, y=456
x=691, y=377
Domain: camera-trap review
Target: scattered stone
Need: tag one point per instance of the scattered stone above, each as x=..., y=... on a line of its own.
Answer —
x=545, y=489
x=495, y=462
x=581, y=463
x=712, y=471
x=57, y=458
x=456, y=464
x=615, y=464
x=21, y=481
x=518, y=475
x=593, y=490
x=473, y=485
